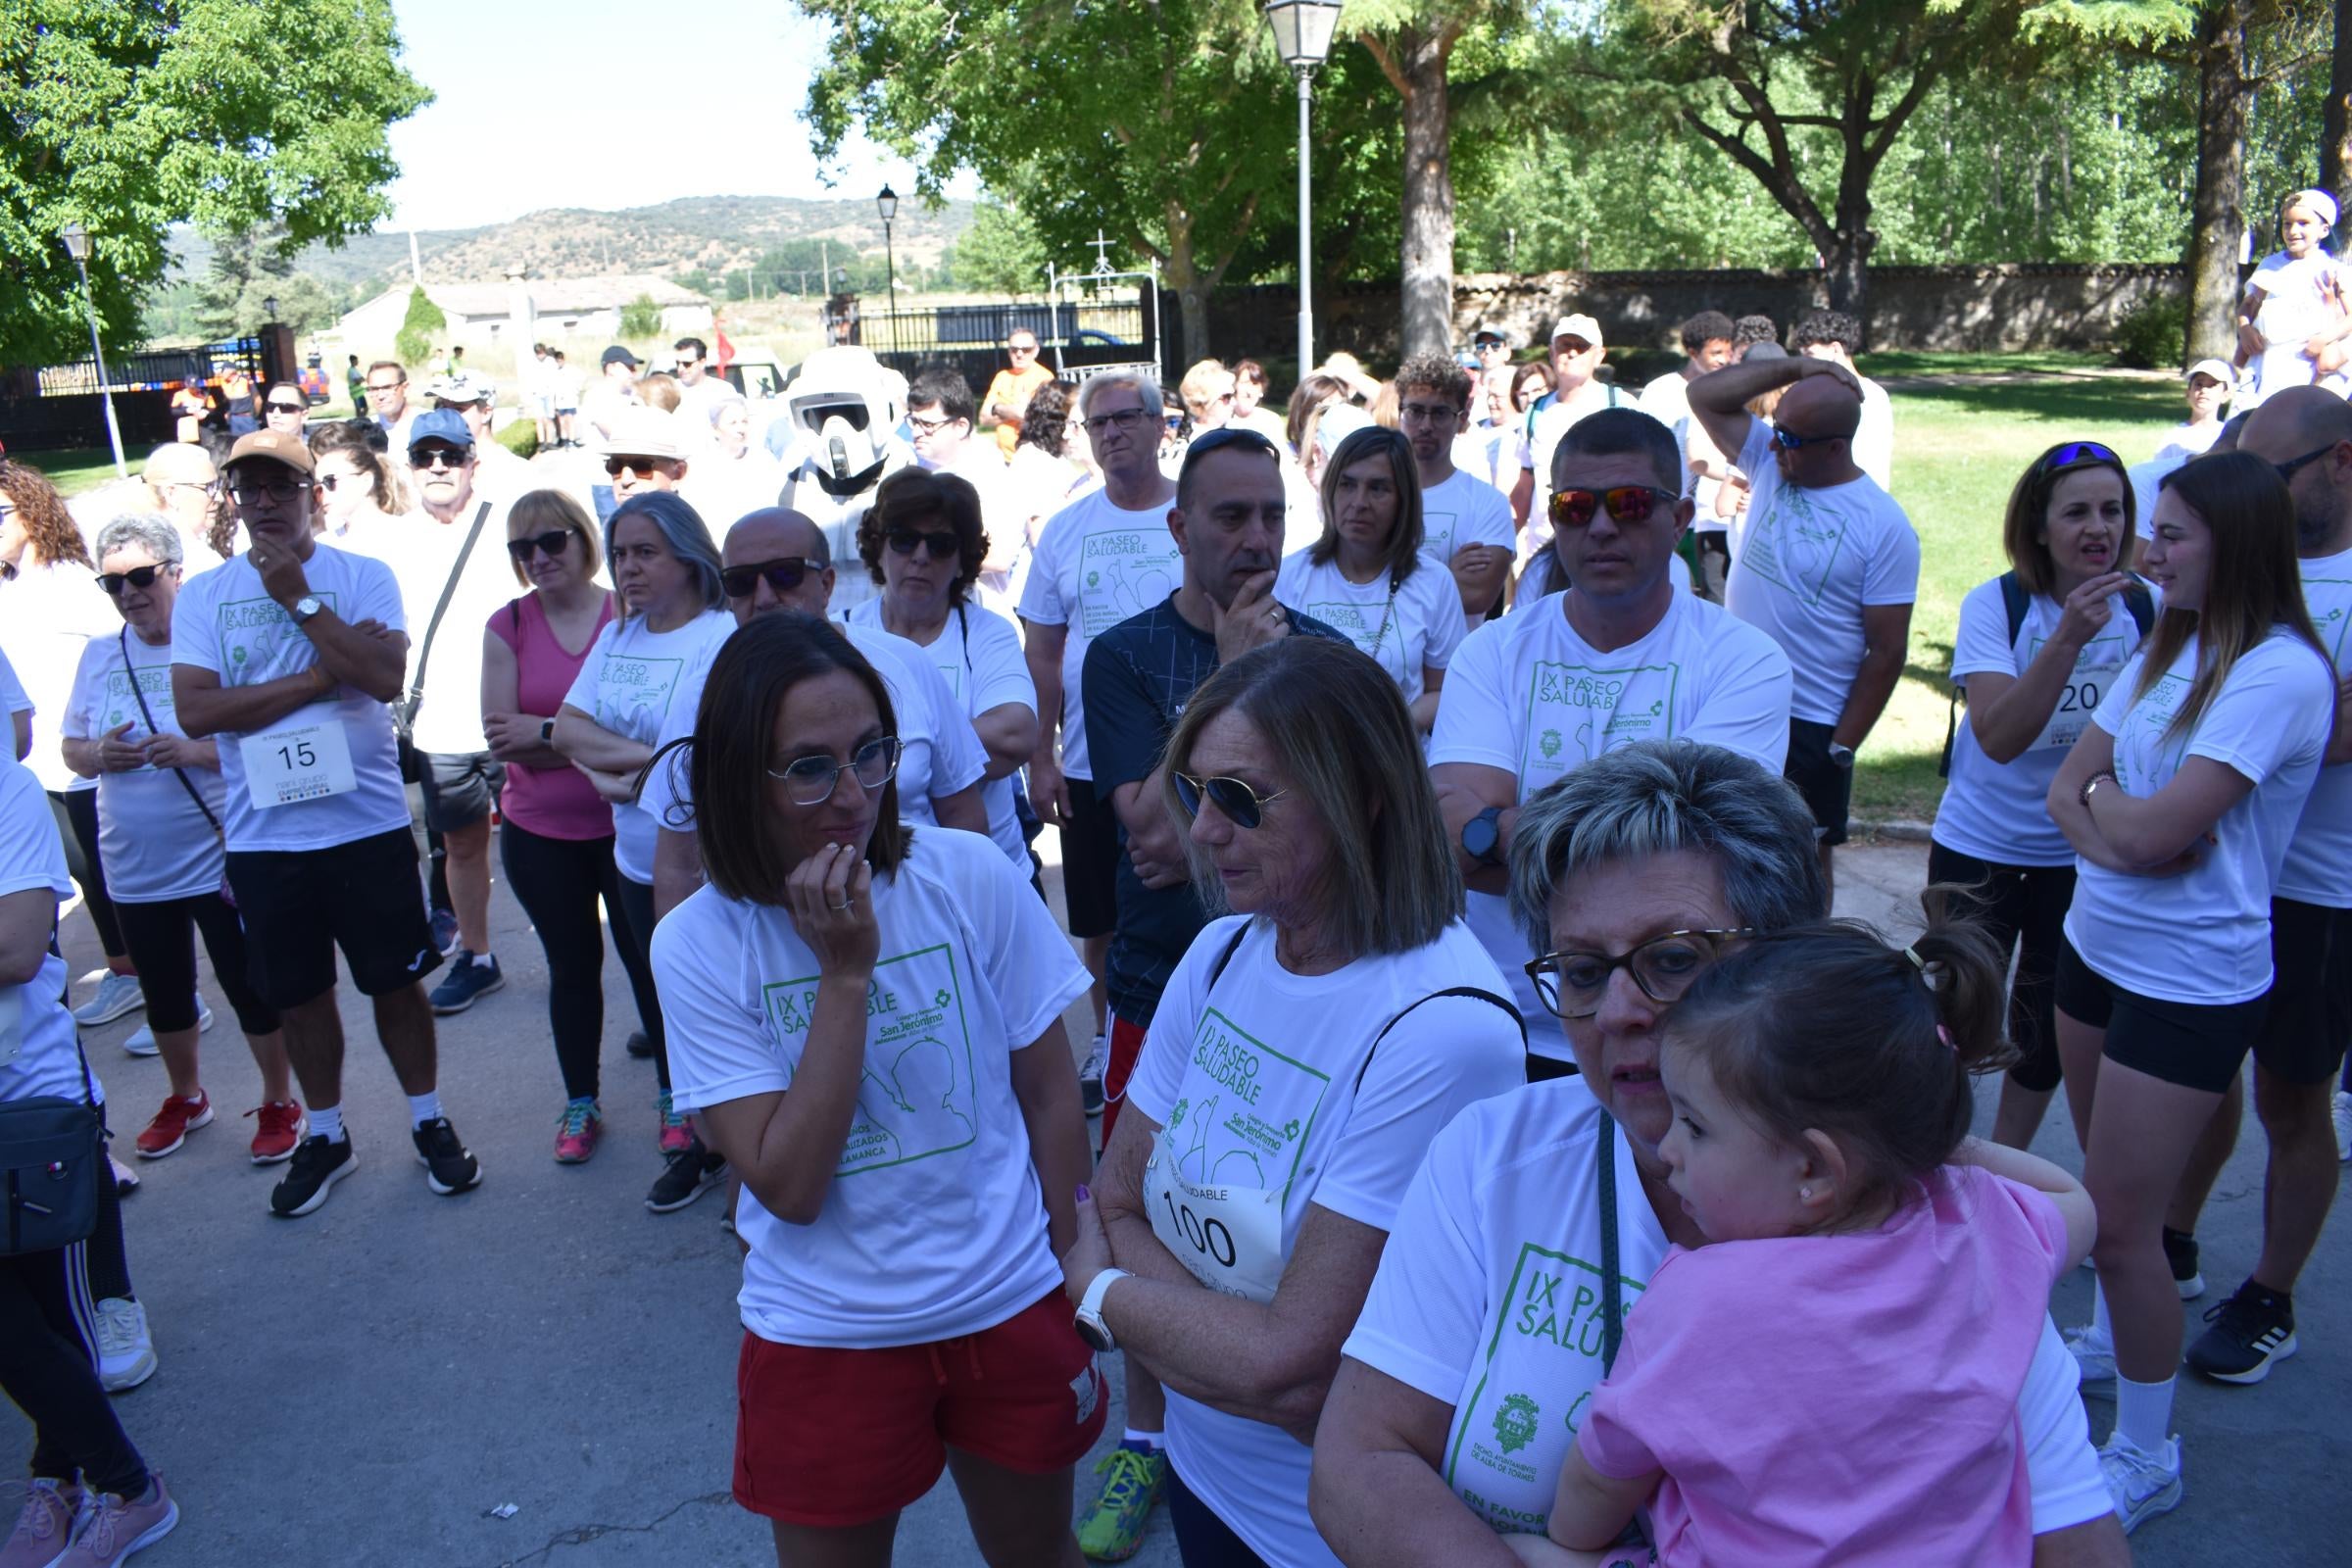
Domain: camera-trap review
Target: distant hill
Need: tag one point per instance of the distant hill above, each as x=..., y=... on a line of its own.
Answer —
x=694, y=233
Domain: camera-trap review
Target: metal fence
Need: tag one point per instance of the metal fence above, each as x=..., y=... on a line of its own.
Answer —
x=154, y=369
x=1115, y=324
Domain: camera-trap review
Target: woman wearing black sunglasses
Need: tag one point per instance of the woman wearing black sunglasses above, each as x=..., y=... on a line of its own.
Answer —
x=554, y=837
x=1306, y=1049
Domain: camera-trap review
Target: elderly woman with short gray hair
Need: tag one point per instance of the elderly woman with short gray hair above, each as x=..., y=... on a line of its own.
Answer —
x=160, y=807
x=1307, y=1048
x=1539, y=1216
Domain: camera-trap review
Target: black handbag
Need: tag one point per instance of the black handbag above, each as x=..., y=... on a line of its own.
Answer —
x=52, y=1159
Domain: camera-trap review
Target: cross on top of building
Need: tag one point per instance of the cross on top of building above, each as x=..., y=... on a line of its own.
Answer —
x=1103, y=266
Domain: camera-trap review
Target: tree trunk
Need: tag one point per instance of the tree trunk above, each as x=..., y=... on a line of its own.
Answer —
x=2336, y=115
x=2218, y=209
x=1422, y=52
x=1846, y=261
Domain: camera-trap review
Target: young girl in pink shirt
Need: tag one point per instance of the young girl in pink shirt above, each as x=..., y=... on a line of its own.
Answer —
x=1835, y=1376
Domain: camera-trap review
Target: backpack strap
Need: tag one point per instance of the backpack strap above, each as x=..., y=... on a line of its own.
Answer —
x=2015, y=602
x=1477, y=992
x=2140, y=605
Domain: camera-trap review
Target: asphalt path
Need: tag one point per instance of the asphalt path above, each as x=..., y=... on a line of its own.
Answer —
x=371, y=1386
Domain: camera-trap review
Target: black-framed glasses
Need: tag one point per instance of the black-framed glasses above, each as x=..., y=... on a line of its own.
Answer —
x=439, y=457
x=1570, y=985
x=253, y=492
x=2294, y=465
x=140, y=577
x=928, y=426
x=942, y=546
x=550, y=544
x=643, y=467
x=1120, y=419
x=812, y=780
x=1237, y=800
x=1627, y=503
x=1789, y=440
x=1426, y=412
x=783, y=575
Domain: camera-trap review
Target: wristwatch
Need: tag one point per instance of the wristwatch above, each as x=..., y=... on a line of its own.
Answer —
x=547, y=732
x=1841, y=755
x=1482, y=837
x=304, y=609
x=1090, y=1325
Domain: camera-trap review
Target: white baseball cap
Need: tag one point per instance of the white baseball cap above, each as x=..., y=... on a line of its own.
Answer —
x=2219, y=370
x=643, y=432
x=1578, y=325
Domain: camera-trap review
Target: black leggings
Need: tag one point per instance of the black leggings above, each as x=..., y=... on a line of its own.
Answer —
x=634, y=936
x=1202, y=1540
x=49, y=1367
x=162, y=940
x=558, y=882
x=2025, y=908
x=77, y=824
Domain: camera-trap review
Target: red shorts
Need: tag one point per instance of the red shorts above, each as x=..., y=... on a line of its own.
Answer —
x=1126, y=1045
x=828, y=1438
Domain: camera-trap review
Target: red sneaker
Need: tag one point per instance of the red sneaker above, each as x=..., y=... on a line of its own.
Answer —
x=577, y=1133
x=278, y=1130
x=173, y=1123
x=677, y=1136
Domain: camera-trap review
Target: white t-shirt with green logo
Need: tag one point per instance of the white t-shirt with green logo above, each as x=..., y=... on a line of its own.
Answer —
x=1095, y=566
x=153, y=838
x=1464, y=510
x=2204, y=936
x=2317, y=868
x=1409, y=629
x=1489, y=1299
x=1527, y=695
x=1255, y=1083
x=634, y=681
x=934, y=1226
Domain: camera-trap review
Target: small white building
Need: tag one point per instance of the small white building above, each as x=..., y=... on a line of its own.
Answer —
x=483, y=315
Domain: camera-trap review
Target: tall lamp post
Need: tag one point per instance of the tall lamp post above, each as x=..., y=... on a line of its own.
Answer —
x=1303, y=32
x=78, y=246
x=887, y=204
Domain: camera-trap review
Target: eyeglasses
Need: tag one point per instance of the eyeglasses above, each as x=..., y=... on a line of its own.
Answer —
x=331, y=482
x=253, y=492
x=1570, y=984
x=550, y=544
x=1121, y=418
x=810, y=780
x=942, y=546
x=2074, y=452
x=139, y=577
x=1017, y=348
x=1627, y=503
x=783, y=575
x=1789, y=440
x=275, y=407
x=1426, y=412
x=924, y=427
x=386, y=386
x=2294, y=465
x=451, y=458
x=643, y=467
x=1237, y=800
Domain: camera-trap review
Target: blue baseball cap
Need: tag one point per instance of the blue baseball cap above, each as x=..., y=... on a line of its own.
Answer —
x=441, y=425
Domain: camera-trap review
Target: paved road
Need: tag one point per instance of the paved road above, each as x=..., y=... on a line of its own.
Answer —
x=364, y=1387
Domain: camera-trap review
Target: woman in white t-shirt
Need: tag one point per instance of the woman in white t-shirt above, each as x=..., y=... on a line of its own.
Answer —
x=922, y=542
x=674, y=616
x=2180, y=800
x=359, y=490
x=733, y=475
x=1046, y=470
x=1306, y=1049
x=1365, y=575
x=2297, y=311
x=160, y=808
x=866, y=1019
x=2037, y=650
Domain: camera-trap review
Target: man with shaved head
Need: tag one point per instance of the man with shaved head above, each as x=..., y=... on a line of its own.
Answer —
x=2306, y=433
x=1825, y=563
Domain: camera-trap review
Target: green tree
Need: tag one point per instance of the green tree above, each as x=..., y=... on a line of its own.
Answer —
x=640, y=317
x=231, y=114
x=413, y=342
x=1000, y=254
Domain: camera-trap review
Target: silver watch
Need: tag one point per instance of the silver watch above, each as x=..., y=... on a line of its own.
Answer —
x=305, y=610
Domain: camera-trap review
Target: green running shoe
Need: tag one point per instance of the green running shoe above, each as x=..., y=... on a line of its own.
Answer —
x=1115, y=1530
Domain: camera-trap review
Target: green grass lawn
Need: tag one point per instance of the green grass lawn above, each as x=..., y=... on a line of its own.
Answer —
x=1957, y=451
x=75, y=469
x=2040, y=362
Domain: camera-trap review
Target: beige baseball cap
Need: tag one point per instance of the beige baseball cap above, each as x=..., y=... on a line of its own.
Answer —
x=287, y=449
x=643, y=432
x=1578, y=325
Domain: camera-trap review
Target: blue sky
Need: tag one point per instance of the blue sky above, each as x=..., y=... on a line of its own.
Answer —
x=633, y=103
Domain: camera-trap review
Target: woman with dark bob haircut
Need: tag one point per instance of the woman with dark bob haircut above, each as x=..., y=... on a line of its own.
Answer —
x=904, y=1203
x=918, y=509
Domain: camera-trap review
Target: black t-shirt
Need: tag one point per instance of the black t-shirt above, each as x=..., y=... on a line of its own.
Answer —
x=1137, y=678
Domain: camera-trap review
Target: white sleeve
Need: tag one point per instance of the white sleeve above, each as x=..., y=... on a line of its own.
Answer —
x=1746, y=707
x=957, y=758
x=582, y=695
x=999, y=674
x=195, y=639
x=2122, y=693
x=1473, y=715
x=1448, y=627
x=1755, y=453
x=1040, y=596
x=1445, y=1054
x=82, y=701
x=2272, y=710
x=1485, y=520
x=2062, y=1468
x=720, y=1049
x=1874, y=438
x=1160, y=1066
x=1981, y=644
x=1029, y=962
x=1421, y=1320
x=1890, y=577
x=12, y=690
x=375, y=596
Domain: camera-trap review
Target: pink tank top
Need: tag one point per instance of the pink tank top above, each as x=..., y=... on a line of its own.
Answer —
x=554, y=802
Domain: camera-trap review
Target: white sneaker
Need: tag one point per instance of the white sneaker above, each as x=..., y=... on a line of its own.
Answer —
x=2094, y=1357
x=2143, y=1485
x=142, y=1039
x=1089, y=1075
x=127, y=1180
x=126, y=1352
x=118, y=994
x=2343, y=1127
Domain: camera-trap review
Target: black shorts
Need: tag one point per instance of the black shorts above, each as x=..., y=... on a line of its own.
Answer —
x=460, y=788
x=2302, y=1040
x=301, y=905
x=2185, y=1043
x=1828, y=789
x=1090, y=862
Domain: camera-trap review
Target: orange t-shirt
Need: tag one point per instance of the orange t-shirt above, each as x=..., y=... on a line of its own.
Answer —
x=1014, y=390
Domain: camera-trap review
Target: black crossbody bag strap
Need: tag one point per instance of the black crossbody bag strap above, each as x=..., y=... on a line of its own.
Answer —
x=448, y=591
x=124, y=637
x=1612, y=1292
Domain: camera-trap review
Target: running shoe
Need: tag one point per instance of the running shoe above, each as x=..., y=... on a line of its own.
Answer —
x=577, y=1132
x=127, y=1180
x=2343, y=1127
x=1089, y=1075
x=444, y=933
x=2250, y=1331
x=677, y=1136
x=690, y=1173
x=469, y=978
x=318, y=1165
x=2143, y=1485
x=125, y=1349
x=641, y=1045
x=449, y=1165
x=172, y=1125
x=2094, y=1356
x=45, y=1526
x=113, y=1528
x=279, y=1126
x=117, y=996
x=142, y=1039
x=2180, y=1252
x=1134, y=1478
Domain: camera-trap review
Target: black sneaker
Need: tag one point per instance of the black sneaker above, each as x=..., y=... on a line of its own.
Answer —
x=639, y=1046
x=449, y=1165
x=1089, y=1076
x=690, y=1173
x=2180, y=1252
x=2251, y=1330
x=318, y=1165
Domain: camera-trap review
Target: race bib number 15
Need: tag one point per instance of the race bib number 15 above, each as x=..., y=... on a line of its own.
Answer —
x=308, y=762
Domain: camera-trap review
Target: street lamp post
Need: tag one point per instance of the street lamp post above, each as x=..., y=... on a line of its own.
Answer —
x=887, y=204
x=1303, y=33
x=78, y=246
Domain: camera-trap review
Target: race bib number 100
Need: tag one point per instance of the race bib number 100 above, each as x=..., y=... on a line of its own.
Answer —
x=308, y=762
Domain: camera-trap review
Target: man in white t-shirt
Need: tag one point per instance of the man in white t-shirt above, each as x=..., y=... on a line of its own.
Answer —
x=1617, y=656
x=1465, y=523
x=287, y=656
x=1577, y=390
x=1706, y=348
x=697, y=389
x=1824, y=561
x=473, y=398
x=1836, y=336
x=613, y=394
x=389, y=406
